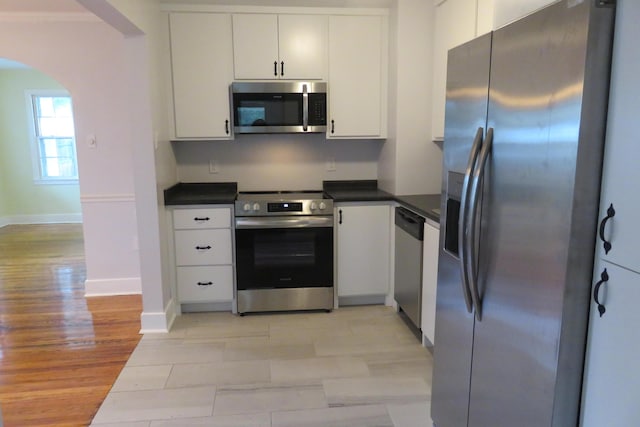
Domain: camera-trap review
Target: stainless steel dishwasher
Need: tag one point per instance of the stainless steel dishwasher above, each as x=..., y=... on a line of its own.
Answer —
x=408, y=263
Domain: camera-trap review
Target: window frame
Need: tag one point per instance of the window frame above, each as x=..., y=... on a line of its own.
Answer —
x=35, y=146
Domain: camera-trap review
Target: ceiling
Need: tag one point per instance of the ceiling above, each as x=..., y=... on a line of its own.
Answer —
x=290, y=3
x=71, y=6
x=39, y=6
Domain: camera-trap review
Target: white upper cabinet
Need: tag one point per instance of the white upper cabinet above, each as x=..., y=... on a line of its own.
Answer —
x=202, y=69
x=357, y=77
x=269, y=46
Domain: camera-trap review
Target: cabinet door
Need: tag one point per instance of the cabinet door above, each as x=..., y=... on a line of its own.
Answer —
x=357, y=80
x=429, y=280
x=363, y=247
x=202, y=69
x=303, y=46
x=455, y=24
x=622, y=154
x=612, y=377
x=255, y=46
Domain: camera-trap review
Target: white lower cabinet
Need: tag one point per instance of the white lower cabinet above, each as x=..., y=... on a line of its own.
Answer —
x=612, y=376
x=203, y=247
x=429, y=279
x=203, y=254
x=209, y=283
x=363, y=249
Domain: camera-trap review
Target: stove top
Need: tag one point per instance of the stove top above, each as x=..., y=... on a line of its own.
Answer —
x=272, y=203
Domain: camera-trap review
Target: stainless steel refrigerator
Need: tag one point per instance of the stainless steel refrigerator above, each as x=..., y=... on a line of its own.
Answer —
x=524, y=133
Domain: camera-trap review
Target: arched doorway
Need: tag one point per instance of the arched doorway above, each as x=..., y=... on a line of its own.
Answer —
x=39, y=173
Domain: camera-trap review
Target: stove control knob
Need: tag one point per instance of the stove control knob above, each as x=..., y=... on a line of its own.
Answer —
x=314, y=206
x=323, y=206
x=246, y=207
x=256, y=207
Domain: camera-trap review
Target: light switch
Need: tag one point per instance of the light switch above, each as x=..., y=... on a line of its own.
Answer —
x=92, y=142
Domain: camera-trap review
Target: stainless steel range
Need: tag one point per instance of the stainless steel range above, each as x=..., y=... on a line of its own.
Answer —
x=284, y=251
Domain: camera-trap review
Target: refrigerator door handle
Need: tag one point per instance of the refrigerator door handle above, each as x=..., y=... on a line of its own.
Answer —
x=463, y=224
x=470, y=239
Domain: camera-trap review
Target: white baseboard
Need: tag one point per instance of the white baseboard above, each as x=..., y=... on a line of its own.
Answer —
x=158, y=322
x=41, y=219
x=108, y=287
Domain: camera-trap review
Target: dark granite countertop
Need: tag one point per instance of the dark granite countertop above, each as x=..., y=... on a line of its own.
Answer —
x=422, y=204
x=204, y=193
x=355, y=191
x=201, y=193
x=367, y=190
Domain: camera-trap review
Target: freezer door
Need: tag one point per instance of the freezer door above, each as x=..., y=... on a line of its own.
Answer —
x=466, y=110
x=547, y=105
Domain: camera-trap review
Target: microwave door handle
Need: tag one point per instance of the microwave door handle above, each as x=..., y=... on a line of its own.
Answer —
x=305, y=108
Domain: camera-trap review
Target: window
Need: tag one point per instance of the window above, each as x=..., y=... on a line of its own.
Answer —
x=54, y=148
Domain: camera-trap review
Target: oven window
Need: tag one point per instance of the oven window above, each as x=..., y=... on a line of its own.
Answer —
x=284, y=258
x=297, y=249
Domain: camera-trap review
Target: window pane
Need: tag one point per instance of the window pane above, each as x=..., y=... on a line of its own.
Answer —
x=58, y=158
x=55, y=126
x=51, y=167
x=45, y=106
x=62, y=106
x=50, y=147
x=66, y=167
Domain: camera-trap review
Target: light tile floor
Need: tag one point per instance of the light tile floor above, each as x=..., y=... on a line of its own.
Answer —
x=354, y=367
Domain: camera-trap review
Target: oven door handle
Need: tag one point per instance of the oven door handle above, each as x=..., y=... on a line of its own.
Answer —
x=285, y=222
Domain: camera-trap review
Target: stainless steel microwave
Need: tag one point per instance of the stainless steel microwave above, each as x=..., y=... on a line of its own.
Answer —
x=279, y=107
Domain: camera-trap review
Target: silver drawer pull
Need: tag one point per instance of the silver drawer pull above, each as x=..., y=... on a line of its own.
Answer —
x=205, y=283
x=203, y=248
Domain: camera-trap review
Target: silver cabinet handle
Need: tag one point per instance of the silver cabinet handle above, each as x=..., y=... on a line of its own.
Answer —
x=462, y=221
x=470, y=240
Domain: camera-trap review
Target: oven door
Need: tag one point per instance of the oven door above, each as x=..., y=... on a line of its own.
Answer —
x=276, y=253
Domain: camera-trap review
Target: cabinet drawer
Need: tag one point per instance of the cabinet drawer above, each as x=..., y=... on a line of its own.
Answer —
x=205, y=284
x=201, y=218
x=203, y=247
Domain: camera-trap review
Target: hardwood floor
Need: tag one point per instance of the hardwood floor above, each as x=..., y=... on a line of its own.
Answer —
x=60, y=352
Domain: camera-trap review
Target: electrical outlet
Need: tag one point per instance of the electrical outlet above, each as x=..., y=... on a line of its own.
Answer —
x=331, y=164
x=213, y=166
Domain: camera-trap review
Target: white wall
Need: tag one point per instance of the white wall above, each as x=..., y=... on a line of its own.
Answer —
x=411, y=162
x=155, y=169
x=278, y=162
x=506, y=11
x=88, y=58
